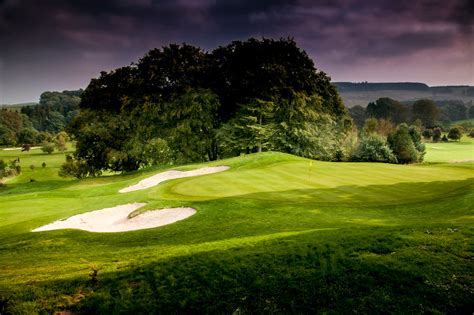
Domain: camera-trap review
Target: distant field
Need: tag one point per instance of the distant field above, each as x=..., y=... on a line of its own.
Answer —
x=274, y=234
x=453, y=151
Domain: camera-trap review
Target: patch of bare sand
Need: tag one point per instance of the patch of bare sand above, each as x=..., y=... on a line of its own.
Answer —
x=161, y=177
x=116, y=219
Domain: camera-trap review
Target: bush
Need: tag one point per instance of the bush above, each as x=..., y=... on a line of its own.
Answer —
x=76, y=168
x=444, y=139
x=32, y=167
x=427, y=134
x=47, y=148
x=402, y=145
x=437, y=134
x=455, y=133
x=471, y=133
x=373, y=148
x=43, y=165
x=415, y=135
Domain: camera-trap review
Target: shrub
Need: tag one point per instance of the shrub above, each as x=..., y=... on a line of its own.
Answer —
x=47, y=148
x=76, y=168
x=471, y=133
x=444, y=139
x=455, y=133
x=402, y=145
x=373, y=148
x=437, y=134
x=415, y=135
x=43, y=165
x=427, y=134
x=32, y=167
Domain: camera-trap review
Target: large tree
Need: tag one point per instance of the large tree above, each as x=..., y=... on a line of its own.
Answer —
x=389, y=109
x=185, y=100
x=426, y=111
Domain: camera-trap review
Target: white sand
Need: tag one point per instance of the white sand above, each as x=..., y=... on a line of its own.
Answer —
x=161, y=177
x=116, y=219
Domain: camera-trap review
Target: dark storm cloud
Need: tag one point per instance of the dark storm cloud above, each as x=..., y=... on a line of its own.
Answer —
x=54, y=44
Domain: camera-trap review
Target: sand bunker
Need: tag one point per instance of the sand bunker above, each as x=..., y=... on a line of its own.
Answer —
x=116, y=219
x=161, y=177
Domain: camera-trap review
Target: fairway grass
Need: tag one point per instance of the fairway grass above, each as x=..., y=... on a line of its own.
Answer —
x=273, y=234
x=453, y=151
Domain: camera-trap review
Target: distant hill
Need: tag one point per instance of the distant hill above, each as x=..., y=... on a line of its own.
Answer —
x=363, y=93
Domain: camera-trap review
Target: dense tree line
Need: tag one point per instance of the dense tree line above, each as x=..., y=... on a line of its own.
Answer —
x=181, y=104
x=33, y=125
x=429, y=113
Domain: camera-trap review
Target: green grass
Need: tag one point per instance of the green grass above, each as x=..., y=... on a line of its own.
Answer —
x=453, y=151
x=271, y=235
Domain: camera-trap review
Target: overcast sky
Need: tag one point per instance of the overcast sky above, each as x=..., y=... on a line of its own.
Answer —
x=59, y=44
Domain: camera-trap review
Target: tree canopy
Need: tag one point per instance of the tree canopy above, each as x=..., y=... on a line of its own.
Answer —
x=247, y=96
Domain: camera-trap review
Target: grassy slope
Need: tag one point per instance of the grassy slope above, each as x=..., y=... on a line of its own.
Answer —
x=462, y=150
x=271, y=234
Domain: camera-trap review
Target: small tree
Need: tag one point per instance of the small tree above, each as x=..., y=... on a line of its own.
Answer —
x=60, y=141
x=26, y=147
x=427, y=134
x=43, y=164
x=47, y=148
x=3, y=168
x=437, y=134
x=415, y=135
x=402, y=145
x=444, y=139
x=454, y=133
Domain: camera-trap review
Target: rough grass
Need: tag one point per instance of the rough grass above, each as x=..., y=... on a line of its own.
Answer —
x=275, y=234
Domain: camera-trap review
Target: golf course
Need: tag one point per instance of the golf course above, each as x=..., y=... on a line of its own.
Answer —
x=274, y=233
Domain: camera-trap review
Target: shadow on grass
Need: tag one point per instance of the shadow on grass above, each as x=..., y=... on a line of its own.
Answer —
x=297, y=274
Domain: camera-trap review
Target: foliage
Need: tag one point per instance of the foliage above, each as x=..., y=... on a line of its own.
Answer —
x=76, y=168
x=388, y=109
x=247, y=96
x=47, y=147
x=60, y=141
x=358, y=114
x=373, y=148
x=437, y=132
x=28, y=136
x=426, y=111
x=427, y=134
x=381, y=126
x=415, y=135
x=402, y=145
x=296, y=125
x=455, y=133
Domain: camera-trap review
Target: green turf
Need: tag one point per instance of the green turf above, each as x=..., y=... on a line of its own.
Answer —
x=452, y=151
x=274, y=234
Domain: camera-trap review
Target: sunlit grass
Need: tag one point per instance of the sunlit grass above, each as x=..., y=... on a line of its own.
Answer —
x=272, y=233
